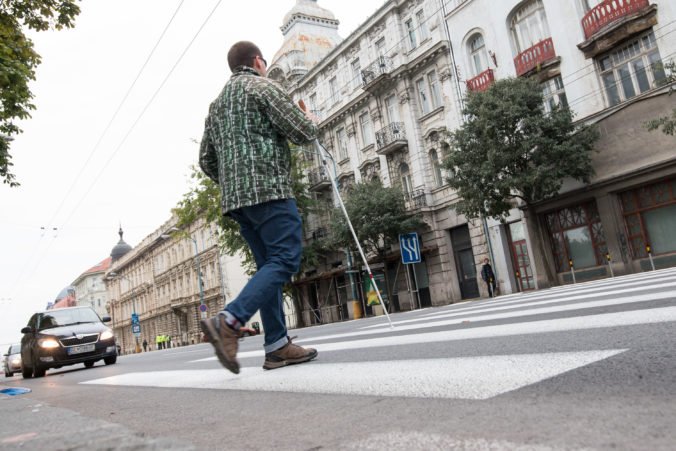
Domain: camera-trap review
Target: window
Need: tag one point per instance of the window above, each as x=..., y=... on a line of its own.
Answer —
x=422, y=25
x=410, y=30
x=650, y=218
x=424, y=96
x=554, y=94
x=529, y=25
x=366, y=129
x=341, y=141
x=477, y=54
x=577, y=234
x=356, y=74
x=392, y=109
x=313, y=104
x=631, y=69
x=405, y=179
x=590, y=4
x=434, y=89
x=380, y=47
x=333, y=90
x=436, y=168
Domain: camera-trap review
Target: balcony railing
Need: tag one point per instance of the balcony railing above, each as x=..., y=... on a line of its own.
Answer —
x=391, y=137
x=608, y=12
x=482, y=81
x=381, y=66
x=318, y=179
x=415, y=199
x=535, y=56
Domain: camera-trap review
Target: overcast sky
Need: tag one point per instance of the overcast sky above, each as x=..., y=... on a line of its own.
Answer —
x=140, y=169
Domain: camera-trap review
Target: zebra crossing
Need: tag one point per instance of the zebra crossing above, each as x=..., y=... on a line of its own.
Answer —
x=382, y=370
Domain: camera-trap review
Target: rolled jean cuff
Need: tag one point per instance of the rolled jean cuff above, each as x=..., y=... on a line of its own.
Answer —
x=279, y=344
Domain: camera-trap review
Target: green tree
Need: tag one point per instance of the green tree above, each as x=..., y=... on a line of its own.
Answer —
x=378, y=215
x=666, y=123
x=18, y=61
x=510, y=149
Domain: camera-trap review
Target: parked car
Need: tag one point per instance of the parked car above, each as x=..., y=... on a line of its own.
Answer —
x=12, y=361
x=66, y=336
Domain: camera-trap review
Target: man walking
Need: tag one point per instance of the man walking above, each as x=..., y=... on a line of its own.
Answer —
x=489, y=277
x=244, y=149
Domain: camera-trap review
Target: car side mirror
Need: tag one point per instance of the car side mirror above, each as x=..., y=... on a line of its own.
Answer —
x=106, y=319
x=27, y=330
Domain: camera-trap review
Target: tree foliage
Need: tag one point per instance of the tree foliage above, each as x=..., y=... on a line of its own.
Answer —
x=18, y=61
x=510, y=149
x=378, y=215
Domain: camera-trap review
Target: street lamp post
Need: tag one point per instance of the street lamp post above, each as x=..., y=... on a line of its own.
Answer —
x=113, y=276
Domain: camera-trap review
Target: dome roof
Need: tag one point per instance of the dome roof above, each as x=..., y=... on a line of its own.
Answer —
x=308, y=8
x=120, y=249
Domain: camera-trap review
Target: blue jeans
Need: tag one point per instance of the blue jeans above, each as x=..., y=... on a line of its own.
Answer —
x=273, y=231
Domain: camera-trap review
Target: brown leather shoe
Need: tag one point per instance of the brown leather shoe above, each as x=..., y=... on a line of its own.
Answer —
x=289, y=354
x=224, y=340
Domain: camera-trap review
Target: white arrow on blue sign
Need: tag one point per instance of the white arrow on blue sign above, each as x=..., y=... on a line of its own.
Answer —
x=409, y=245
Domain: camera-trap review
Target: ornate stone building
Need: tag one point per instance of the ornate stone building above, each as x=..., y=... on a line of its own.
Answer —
x=90, y=288
x=389, y=94
x=158, y=280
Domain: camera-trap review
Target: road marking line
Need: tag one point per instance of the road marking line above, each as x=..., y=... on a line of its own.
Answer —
x=603, y=320
x=475, y=378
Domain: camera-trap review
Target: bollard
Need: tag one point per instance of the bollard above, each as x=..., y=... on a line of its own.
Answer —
x=572, y=269
x=610, y=265
x=650, y=256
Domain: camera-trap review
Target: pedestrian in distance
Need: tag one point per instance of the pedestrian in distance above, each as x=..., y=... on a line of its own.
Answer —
x=158, y=342
x=245, y=150
x=145, y=345
x=489, y=277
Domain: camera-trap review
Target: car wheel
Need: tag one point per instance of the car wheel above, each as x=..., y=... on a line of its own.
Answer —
x=89, y=363
x=26, y=372
x=38, y=371
x=8, y=374
x=110, y=360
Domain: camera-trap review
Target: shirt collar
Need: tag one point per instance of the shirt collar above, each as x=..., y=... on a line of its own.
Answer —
x=242, y=70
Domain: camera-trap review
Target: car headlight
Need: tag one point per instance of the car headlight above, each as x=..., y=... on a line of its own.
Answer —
x=48, y=343
x=107, y=335
x=16, y=361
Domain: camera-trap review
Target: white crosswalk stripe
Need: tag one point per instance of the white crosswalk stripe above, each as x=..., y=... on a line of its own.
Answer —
x=634, y=300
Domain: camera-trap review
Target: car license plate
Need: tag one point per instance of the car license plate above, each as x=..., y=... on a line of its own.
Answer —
x=81, y=349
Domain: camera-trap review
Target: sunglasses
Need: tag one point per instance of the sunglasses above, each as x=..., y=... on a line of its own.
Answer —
x=262, y=59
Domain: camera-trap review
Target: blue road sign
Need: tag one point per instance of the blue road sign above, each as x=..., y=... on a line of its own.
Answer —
x=409, y=245
x=136, y=329
x=134, y=318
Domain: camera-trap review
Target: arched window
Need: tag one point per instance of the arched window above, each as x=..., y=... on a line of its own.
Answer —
x=529, y=25
x=405, y=177
x=477, y=53
x=436, y=168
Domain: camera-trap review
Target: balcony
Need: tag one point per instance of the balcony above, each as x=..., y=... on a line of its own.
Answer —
x=318, y=179
x=535, y=57
x=613, y=21
x=391, y=138
x=375, y=72
x=415, y=199
x=481, y=82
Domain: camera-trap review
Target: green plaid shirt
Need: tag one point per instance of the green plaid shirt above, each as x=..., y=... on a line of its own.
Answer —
x=244, y=148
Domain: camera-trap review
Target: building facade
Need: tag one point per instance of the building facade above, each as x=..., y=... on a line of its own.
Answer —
x=389, y=94
x=90, y=287
x=159, y=281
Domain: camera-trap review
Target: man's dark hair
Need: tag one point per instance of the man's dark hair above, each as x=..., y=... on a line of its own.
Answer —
x=243, y=54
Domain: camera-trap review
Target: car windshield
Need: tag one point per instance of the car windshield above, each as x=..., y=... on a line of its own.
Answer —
x=14, y=349
x=65, y=317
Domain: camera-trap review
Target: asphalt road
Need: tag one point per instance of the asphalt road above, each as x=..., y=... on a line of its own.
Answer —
x=591, y=366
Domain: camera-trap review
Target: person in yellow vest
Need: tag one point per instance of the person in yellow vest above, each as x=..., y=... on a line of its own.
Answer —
x=158, y=341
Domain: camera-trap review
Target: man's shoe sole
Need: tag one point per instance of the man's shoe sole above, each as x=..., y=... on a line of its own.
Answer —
x=212, y=335
x=282, y=363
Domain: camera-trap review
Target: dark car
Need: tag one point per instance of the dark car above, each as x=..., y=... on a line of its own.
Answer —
x=12, y=361
x=59, y=337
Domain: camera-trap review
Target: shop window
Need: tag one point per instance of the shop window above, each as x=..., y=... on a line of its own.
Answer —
x=577, y=234
x=650, y=218
x=631, y=69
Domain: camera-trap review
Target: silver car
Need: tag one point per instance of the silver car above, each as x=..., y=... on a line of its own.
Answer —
x=12, y=361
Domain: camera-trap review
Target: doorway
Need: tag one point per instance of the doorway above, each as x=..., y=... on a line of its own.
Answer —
x=520, y=257
x=464, y=262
